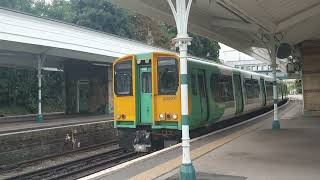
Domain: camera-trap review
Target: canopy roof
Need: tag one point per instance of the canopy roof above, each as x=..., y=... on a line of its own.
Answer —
x=240, y=23
x=23, y=37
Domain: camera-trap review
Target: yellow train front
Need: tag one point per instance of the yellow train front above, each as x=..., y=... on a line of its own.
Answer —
x=146, y=100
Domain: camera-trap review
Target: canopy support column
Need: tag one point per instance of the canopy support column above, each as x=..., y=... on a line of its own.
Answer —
x=41, y=59
x=273, y=56
x=180, y=12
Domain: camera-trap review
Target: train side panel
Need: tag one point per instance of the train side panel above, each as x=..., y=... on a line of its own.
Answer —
x=168, y=104
x=252, y=93
x=202, y=106
x=223, y=92
x=211, y=94
x=125, y=101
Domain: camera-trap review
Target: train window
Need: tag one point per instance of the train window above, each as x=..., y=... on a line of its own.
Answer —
x=193, y=84
x=221, y=88
x=123, y=78
x=252, y=88
x=168, y=78
x=146, y=82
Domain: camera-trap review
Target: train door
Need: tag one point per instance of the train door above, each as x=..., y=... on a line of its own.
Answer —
x=195, y=98
x=263, y=92
x=238, y=93
x=203, y=95
x=145, y=95
x=282, y=90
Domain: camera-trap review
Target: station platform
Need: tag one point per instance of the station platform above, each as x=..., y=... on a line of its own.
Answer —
x=28, y=122
x=251, y=150
x=23, y=140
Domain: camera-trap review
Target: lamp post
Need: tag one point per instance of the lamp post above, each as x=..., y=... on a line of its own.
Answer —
x=273, y=56
x=180, y=12
x=41, y=59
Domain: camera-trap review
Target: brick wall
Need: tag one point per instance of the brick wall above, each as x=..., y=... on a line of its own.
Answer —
x=311, y=78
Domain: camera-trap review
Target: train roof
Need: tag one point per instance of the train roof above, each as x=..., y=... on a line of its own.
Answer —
x=224, y=67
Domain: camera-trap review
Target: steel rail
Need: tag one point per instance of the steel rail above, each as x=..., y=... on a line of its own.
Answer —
x=62, y=171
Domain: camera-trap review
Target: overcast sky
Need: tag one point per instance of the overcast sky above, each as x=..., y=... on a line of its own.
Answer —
x=227, y=53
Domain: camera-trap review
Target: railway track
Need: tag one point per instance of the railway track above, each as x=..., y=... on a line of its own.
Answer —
x=79, y=167
x=13, y=167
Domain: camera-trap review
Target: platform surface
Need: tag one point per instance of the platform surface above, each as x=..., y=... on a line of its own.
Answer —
x=290, y=153
x=65, y=120
x=252, y=151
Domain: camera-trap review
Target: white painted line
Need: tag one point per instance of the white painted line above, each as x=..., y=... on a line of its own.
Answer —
x=128, y=163
x=31, y=115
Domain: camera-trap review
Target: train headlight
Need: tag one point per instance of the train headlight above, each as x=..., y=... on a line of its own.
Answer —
x=118, y=116
x=123, y=116
x=174, y=116
x=162, y=116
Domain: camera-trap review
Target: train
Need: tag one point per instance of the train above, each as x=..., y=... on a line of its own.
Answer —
x=147, y=106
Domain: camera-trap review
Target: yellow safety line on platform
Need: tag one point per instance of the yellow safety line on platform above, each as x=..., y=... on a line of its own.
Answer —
x=175, y=163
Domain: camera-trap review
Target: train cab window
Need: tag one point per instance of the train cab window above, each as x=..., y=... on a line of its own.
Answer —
x=252, y=88
x=221, y=88
x=123, y=78
x=168, y=77
x=193, y=84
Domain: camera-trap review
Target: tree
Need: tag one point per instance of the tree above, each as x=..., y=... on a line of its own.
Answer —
x=103, y=16
x=204, y=47
x=58, y=9
x=298, y=85
x=19, y=5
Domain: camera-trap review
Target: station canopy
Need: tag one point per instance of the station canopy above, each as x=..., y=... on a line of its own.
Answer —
x=24, y=37
x=241, y=23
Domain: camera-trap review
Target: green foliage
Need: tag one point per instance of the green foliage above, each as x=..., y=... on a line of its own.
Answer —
x=58, y=9
x=19, y=88
x=298, y=86
x=204, y=48
x=19, y=5
x=200, y=46
x=103, y=16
